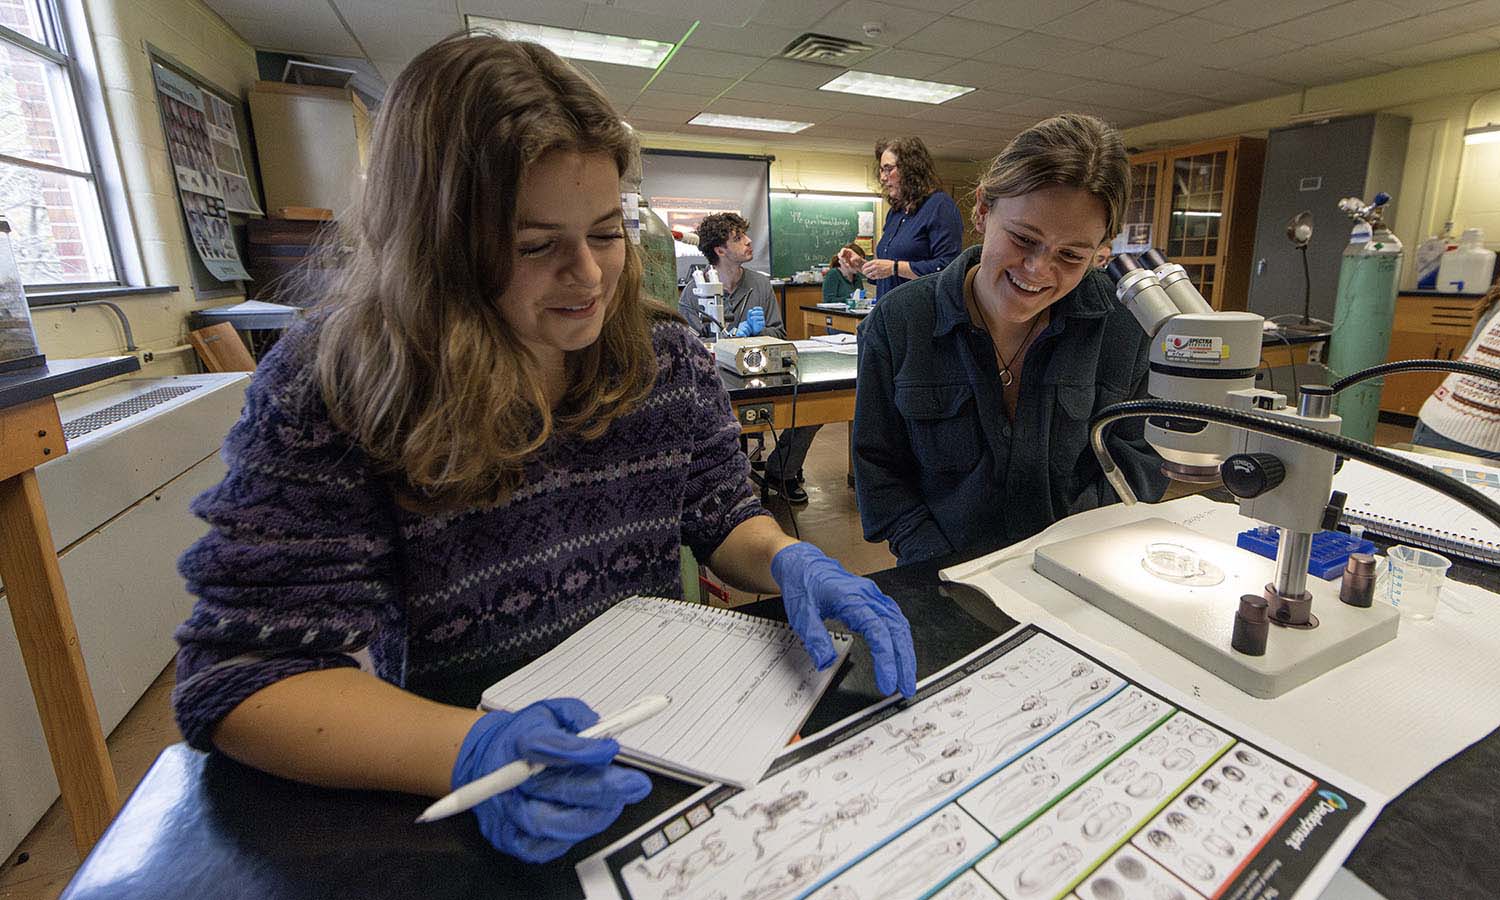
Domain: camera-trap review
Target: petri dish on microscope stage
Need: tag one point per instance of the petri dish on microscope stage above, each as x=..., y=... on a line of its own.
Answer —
x=1180, y=564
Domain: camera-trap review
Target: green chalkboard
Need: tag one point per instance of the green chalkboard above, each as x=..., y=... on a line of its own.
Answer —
x=806, y=231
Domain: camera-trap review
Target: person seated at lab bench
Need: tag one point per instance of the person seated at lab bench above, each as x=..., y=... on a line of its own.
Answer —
x=750, y=310
x=844, y=276
x=975, y=388
x=923, y=230
x=750, y=305
x=484, y=438
x=1463, y=414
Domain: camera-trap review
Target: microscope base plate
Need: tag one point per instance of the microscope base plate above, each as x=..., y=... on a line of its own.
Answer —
x=1104, y=568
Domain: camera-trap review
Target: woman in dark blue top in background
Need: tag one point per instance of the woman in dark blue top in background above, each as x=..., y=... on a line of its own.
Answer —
x=976, y=386
x=923, y=230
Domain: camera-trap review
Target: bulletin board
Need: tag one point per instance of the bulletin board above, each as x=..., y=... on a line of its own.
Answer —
x=210, y=150
x=807, y=229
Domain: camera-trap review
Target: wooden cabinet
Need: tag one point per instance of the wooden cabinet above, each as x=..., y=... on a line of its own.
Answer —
x=313, y=143
x=1200, y=201
x=1427, y=326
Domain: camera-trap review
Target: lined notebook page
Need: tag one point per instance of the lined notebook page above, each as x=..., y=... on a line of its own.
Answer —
x=1401, y=508
x=741, y=686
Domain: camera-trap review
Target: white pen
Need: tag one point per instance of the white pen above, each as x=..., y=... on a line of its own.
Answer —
x=512, y=774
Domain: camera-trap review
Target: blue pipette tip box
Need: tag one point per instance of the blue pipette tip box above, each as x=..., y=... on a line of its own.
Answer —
x=1330, y=549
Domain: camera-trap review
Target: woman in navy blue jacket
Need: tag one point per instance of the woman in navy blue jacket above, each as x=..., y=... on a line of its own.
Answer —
x=923, y=229
x=976, y=386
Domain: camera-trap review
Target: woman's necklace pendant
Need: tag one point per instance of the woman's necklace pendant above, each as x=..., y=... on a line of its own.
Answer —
x=1006, y=379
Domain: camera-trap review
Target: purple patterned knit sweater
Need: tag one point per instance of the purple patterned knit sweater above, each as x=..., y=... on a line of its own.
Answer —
x=310, y=559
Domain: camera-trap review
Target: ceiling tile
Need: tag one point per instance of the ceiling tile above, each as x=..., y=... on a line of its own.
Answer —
x=959, y=37
x=1260, y=13
x=1231, y=53
x=1237, y=87
x=1107, y=64
x=563, y=14
x=655, y=114
x=1376, y=40
x=794, y=74
x=557, y=13
x=1361, y=67
x=1037, y=108
x=1184, y=107
x=613, y=20
x=1465, y=19
x=693, y=61
x=799, y=14
x=1121, y=96
x=1102, y=21
x=887, y=125
x=1032, y=82
x=993, y=115
x=660, y=99
x=975, y=73
x=1180, y=6
x=701, y=85
x=1428, y=6
x=987, y=100
x=945, y=7
x=719, y=12
x=1178, y=35
x=777, y=93
x=1040, y=51
x=611, y=75
x=907, y=63
x=764, y=40
x=1305, y=65
x=899, y=22
x=1447, y=48
x=300, y=34
x=431, y=15
x=1338, y=21
x=1018, y=13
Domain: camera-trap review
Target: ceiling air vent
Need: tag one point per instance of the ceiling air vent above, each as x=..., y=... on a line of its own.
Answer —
x=825, y=49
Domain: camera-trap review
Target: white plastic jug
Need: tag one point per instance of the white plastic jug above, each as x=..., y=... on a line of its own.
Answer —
x=1468, y=269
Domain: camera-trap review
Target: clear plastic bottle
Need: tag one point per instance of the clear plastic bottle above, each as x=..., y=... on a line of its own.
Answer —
x=1468, y=269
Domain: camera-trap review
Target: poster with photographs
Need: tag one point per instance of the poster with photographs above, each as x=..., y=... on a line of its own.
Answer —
x=209, y=227
x=210, y=172
x=225, y=140
x=187, y=134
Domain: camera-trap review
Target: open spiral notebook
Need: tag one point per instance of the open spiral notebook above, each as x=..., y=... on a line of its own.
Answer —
x=741, y=686
x=1402, y=509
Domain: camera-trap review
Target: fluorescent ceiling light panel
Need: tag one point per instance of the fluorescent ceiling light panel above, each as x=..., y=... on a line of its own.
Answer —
x=890, y=87
x=717, y=120
x=586, y=45
x=1488, y=134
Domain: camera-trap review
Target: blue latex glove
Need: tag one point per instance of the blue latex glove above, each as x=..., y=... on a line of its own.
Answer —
x=558, y=807
x=815, y=587
x=754, y=324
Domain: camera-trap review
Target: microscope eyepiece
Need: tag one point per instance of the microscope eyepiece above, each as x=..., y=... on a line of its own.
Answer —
x=1153, y=258
x=1121, y=265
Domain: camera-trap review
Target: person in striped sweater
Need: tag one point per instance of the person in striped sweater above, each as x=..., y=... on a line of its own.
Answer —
x=481, y=440
x=1463, y=414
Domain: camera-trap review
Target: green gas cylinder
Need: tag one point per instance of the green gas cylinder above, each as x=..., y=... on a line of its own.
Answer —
x=1362, y=318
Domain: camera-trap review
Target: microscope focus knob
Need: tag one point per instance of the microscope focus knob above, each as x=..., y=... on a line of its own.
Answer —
x=1249, y=475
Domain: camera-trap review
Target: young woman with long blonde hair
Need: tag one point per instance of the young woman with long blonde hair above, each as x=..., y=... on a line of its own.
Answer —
x=482, y=440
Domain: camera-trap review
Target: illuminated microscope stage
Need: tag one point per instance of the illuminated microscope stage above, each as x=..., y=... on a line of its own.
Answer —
x=1106, y=569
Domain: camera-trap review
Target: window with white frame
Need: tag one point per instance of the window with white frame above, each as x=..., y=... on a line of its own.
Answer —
x=49, y=183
